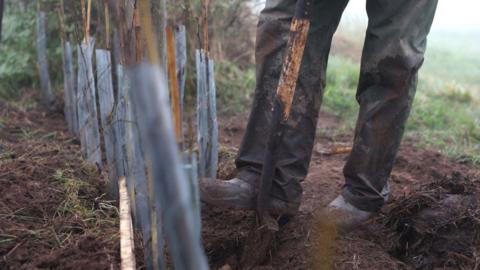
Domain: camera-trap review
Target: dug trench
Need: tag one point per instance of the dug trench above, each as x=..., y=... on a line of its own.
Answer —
x=431, y=221
x=54, y=214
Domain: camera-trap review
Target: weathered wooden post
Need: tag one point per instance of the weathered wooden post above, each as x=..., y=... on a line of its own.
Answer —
x=158, y=136
x=170, y=183
x=86, y=98
x=174, y=90
x=181, y=63
x=191, y=171
x=87, y=105
x=69, y=90
x=107, y=102
x=45, y=85
x=207, y=134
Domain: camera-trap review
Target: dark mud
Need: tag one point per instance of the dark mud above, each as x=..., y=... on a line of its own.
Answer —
x=383, y=242
x=54, y=215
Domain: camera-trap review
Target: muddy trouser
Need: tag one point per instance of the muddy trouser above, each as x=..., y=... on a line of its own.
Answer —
x=392, y=55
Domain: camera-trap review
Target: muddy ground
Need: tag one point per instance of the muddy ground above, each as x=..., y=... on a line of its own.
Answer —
x=421, y=182
x=53, y=211
x=54, y=214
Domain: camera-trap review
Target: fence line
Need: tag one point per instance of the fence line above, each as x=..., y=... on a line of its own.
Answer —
x=139, y=142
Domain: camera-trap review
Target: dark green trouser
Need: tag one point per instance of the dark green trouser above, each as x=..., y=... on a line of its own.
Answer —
x=392, y=55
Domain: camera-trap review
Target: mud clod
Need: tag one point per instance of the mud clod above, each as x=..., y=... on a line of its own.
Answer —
x=437, y=225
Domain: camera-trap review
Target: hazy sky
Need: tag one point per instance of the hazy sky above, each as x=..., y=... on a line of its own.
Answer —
x=451, y=14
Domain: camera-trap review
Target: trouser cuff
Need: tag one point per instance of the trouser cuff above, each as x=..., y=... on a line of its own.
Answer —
x=369, y=203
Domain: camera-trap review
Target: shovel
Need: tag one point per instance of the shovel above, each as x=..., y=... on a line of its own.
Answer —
x=260, y=240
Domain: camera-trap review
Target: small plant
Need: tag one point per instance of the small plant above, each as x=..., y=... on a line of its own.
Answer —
x=235, y=87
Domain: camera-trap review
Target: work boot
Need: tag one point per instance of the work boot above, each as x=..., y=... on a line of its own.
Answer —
x=241, y=195
x=344, y=215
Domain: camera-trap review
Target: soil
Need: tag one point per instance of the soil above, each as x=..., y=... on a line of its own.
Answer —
x=53, y=212
x=422, y=183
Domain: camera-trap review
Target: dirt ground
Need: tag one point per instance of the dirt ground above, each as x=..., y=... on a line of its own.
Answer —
x=53, y=212
x=417, y=175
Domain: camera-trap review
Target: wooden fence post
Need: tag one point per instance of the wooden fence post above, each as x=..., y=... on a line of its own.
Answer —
x=170, y=184
x=207, y=135
x=181, y=58
x=45, y=85
x=70, y=89
x=138, y=179
x=129, y=160
x=173, y=79
x=107, y=102
x=87, y=105
x=191, y=170
x=207, y=129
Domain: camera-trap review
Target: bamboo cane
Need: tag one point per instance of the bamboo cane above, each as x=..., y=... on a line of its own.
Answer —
x=172, y=76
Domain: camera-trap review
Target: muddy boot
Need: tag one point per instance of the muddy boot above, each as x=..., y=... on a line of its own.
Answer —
x=345, y=216
x=235, y=193
x=241, y=195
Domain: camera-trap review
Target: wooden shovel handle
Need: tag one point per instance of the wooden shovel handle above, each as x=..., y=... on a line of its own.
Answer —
x=284, y=98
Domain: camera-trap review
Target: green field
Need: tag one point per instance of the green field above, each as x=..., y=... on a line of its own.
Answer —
x=446, y=112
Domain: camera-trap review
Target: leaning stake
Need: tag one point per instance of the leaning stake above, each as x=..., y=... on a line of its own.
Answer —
x=261, y=238
x=126, y=229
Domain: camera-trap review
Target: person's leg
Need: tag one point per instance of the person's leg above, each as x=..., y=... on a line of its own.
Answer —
x=296, y=149
x=393, y=53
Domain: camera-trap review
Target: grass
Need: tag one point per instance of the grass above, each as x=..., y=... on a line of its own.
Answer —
x=445, y=114
x=72, y=203
x=234, y=87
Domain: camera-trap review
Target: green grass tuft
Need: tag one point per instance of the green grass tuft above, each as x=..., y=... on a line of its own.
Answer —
x=235, y=87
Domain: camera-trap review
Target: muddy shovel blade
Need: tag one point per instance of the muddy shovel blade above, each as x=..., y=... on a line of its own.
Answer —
x=261, y=240
x=259, y=243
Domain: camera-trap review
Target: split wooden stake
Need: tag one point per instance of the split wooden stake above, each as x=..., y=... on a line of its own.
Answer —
x=205, y=41
x=172, y=76
x=61, y=16
x=107, y=25
x=138, y=35
x=89, y=13
x=146, y=21
x=84, y=19
x=127, y=245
